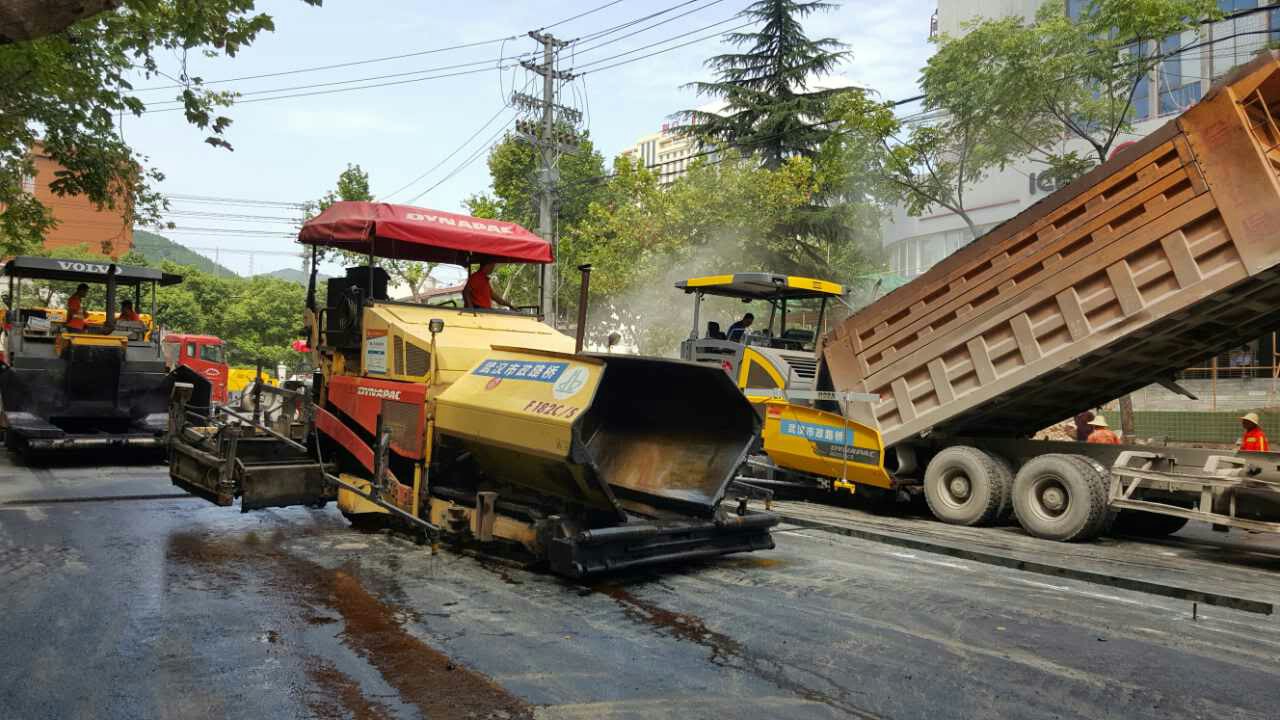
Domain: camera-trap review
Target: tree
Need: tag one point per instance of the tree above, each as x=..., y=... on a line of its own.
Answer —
x=513, y=168
x=921, y=165
x=263, y=318
x=353, y=184
x=768, y=108
x=720, y=217
x=67, y=89
x=1060, y=78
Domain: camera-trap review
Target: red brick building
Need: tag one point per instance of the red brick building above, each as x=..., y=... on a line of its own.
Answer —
x=79, y=222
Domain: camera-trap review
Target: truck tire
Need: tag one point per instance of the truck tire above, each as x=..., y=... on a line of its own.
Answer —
x=1005, y=469
x=1148, y=525
x=1102, y=476
x=1060, y=497
x=965, y=486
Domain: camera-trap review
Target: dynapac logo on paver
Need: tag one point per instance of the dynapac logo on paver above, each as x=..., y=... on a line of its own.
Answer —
x=378, y=393
x=451, y=222
x=83, y=267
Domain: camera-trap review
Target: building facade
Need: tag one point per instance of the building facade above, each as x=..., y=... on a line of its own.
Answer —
x=79, y=222
x=1196, y=58
x=667, y=152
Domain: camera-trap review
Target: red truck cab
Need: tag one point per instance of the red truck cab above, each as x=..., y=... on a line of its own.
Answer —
x=204, y=354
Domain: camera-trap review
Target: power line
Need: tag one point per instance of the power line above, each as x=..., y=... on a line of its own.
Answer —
x=647, y=28
x=346, y=89
x=669, y=39
x=232, y=201
x=317, y=68
x=465, y=163
x=664, y=50
x=581, y=15
x=456, y=150
x=630, y=23
x=373, y=77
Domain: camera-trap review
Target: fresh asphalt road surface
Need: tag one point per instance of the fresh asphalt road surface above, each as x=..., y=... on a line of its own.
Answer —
x=130, y=605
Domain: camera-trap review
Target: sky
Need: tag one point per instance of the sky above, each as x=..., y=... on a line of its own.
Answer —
x=292, y=149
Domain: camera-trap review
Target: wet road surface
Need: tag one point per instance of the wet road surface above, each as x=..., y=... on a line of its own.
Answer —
x=151, y=607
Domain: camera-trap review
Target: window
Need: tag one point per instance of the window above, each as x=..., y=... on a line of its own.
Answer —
x=1075, y=8
x=191, y=350
x=211, y=353
x=1178, y=74
x=1142, y=92
x=1237, y=40
x=758, y=378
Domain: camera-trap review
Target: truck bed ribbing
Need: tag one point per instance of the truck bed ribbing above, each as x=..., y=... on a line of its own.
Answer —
x=1166, y=253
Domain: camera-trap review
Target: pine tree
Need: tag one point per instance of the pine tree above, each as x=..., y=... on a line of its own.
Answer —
x=769, y=107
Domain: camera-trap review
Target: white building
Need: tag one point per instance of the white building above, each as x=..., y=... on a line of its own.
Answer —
x=667, y=152
x=914, y=244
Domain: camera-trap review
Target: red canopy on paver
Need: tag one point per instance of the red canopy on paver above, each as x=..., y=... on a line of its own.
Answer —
x=403, y=232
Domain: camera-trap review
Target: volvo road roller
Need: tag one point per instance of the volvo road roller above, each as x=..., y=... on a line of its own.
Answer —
x=99, y=382
x=481, y=425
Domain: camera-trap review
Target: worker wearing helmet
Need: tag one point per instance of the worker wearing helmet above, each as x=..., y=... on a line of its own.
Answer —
x=1253, y=440
x=1102, y=434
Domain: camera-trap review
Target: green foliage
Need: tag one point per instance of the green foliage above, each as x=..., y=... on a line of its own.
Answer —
x=158, y=248
x=732, y=216
x=1009, y=90
x=1034, y=85
x=353, y=184
x=69, y=89
x=513, y=171
x=769, y=108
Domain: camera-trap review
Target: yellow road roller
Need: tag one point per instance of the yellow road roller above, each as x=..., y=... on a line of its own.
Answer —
x=773, y=362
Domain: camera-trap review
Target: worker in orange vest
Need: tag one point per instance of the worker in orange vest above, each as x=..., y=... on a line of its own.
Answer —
x=75, y=309
x=1102, y=434
x=1253, y=440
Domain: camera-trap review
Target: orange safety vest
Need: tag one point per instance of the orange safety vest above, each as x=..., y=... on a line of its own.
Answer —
x=75, y=316
x=1103, y=436
x=1254, y=440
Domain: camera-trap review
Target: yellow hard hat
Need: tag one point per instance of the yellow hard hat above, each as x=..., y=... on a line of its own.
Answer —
x=1251, y=418
x=1099, y=421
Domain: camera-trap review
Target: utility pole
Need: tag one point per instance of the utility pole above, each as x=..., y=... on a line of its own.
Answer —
x=547, y=134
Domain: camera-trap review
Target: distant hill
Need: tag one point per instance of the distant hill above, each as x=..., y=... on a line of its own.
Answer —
x=158, y=247
x=293, y=275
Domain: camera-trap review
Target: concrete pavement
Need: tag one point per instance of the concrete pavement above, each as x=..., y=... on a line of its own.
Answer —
x=145, y=607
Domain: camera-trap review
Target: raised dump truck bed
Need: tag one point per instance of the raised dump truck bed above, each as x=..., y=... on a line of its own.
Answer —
x=1168, y=252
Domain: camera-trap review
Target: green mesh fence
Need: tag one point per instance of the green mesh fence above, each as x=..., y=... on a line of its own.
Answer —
x=1199, y=426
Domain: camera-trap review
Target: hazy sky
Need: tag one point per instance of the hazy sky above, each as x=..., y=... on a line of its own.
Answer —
x=293, y=149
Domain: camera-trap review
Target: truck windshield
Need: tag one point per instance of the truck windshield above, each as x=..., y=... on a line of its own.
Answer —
x=211, y=353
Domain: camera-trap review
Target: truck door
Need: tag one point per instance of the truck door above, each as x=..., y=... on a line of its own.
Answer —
x=207, y=359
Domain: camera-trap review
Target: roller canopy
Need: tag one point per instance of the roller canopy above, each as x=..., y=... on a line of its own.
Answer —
x=42, y=268
x=403, y=232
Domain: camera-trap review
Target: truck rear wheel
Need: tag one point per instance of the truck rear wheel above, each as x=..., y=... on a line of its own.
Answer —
x=1060, y=497
x=966, y=486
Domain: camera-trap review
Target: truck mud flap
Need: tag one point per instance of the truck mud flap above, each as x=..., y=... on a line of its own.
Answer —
x=643, y=544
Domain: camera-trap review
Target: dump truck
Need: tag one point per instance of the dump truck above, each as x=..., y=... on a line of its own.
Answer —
x=479, y=425
x=1166, y=253
x=104, y=385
